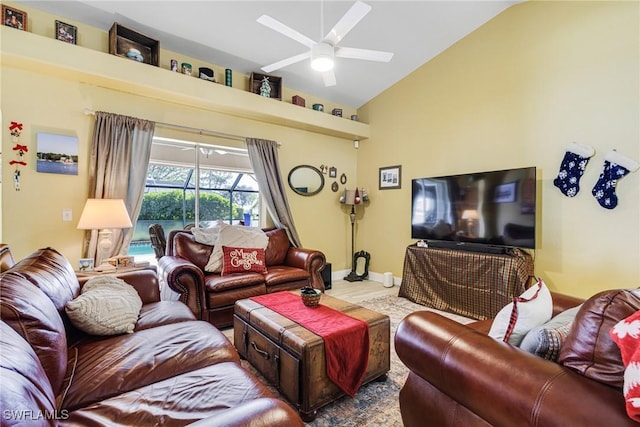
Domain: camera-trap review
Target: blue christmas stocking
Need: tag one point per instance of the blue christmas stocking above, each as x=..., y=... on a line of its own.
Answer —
x=572, y=167
x=615, y=167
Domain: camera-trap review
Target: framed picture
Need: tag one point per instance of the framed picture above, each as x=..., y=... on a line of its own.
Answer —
x=56, y=153
x=85, y=264
x=333, y=172
x=66, y=32
x=505, y=193
x=14, y=18
x=390, y=177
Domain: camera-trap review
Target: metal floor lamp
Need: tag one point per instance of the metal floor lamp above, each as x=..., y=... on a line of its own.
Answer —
x=352, y=197
x=353, y=276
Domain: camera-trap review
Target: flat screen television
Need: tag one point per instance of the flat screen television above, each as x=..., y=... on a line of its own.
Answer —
x=485, y=211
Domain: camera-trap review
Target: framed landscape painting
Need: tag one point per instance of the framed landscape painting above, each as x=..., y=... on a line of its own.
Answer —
x=57, y=153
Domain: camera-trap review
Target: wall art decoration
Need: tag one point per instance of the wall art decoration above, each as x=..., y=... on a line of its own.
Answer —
x=57, y=153
x=66, y=32
x=390, y=177
x=14, y=18
x=15, y=129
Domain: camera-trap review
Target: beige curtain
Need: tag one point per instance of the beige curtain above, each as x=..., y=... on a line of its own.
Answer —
x=118, y=169
x=263, y=155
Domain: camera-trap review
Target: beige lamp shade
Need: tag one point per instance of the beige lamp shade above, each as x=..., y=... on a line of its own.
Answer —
x=104, y=213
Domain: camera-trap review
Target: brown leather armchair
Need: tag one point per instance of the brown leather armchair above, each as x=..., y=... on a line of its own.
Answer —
x=211, y=297
x=459, y=376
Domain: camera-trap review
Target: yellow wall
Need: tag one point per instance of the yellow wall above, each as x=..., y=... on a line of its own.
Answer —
x=514, y=93
x=32, y=217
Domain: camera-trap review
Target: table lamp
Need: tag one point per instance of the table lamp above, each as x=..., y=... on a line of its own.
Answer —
x=103, y=215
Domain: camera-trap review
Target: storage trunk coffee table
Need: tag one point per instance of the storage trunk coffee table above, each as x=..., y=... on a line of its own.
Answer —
x=292, y=358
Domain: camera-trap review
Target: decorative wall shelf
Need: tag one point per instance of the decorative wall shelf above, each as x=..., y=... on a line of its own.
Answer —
x=24, y=50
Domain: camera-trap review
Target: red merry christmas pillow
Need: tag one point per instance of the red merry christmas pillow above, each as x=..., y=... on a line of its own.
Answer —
x=242, y=260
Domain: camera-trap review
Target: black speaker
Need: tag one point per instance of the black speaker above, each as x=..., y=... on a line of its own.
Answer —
x=326, y=275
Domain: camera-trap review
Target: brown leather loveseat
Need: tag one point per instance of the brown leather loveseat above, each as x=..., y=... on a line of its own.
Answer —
x=211, y=296
x=459, y=376
x=172, y=370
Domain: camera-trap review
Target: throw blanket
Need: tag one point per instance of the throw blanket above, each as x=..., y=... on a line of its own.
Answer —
x=346, y=339
x=626, y=334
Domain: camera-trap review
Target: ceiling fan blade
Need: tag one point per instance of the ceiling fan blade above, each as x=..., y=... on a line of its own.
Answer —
x=350, y=19
x=278, y=26
x=366, y=54
x=285, y=62
x=329, y=78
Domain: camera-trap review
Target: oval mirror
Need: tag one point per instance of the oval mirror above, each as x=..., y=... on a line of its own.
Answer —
x=306, y=180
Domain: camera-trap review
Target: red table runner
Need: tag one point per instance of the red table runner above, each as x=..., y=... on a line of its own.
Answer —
x=346, y=339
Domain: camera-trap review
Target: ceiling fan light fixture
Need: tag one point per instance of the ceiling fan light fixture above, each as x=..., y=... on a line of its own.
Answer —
x=322, y=57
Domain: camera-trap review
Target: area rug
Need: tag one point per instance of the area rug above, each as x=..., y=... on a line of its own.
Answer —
x=376, y=403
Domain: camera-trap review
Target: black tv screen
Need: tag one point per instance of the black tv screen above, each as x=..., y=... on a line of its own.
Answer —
x=477, y=211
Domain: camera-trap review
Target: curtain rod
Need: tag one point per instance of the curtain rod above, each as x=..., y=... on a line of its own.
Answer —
x=89, y=112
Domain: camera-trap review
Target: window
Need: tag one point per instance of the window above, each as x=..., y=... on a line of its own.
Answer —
x=189, y=183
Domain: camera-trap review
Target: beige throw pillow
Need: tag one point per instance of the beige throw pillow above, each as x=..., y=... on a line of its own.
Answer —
x=237, y=236
x=106, y=306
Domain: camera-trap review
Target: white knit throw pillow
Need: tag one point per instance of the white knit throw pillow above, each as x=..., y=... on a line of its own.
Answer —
x=207, y=236
x=107, y=306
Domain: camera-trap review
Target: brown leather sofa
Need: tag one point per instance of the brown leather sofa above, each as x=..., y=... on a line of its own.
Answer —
x=172, y=370
x=459, y=376
x=211, y=296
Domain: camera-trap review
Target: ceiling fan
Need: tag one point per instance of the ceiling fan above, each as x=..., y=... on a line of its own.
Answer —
x=322, y=53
